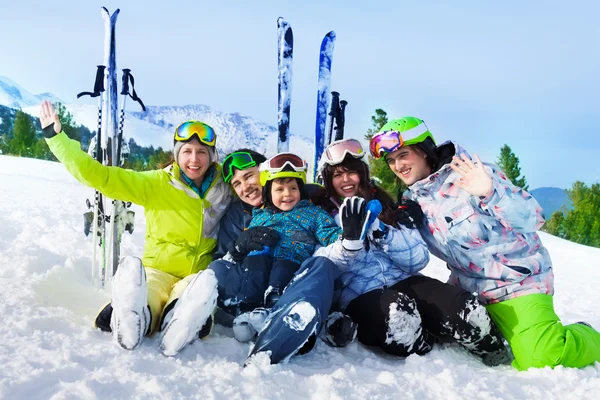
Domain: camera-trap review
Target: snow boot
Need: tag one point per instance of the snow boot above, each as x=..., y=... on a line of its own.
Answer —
x=130, y=319
x=246, y=326
x=191, y=312
x=340, y=330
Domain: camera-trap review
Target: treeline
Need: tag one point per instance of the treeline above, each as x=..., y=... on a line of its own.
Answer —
x=581, y=224
x=21, y=135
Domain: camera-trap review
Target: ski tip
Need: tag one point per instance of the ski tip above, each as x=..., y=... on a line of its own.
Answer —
x=331, y=34
x=282, y=22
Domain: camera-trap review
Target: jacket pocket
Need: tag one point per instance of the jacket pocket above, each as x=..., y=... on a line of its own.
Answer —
x=465, y=227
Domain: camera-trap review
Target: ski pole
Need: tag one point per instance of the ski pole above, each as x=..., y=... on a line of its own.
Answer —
x=340, y=120
x=335, y=104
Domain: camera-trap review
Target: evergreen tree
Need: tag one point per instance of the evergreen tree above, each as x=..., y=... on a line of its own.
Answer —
x=509, y=163
x=69, y=126
x=23, y=136
x=582, y=223
x=554, y=225
x=159, y=157
x=380, y=172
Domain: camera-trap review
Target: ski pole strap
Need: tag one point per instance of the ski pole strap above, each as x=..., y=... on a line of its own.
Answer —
x=127, y=77
x=98, y=85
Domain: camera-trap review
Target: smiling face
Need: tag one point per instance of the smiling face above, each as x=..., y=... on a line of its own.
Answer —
x=345, y=182
x=409, y=164
x=194, y=160
x=246, y=184
x=285, y=193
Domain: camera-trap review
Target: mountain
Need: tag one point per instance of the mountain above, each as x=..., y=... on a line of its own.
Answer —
x=551, y=199
x=156, y=125
x=51, y=350
x=14, y=96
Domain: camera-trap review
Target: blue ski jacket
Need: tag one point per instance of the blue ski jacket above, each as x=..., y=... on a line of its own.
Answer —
x=301, y=229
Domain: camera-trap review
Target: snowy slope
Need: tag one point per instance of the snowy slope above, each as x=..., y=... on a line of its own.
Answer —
x=49, y=349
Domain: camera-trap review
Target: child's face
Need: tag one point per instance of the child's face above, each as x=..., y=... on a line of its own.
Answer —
x=285, y=194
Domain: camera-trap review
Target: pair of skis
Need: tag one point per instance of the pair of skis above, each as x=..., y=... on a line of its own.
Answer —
x=110, y=218
x=285, y=57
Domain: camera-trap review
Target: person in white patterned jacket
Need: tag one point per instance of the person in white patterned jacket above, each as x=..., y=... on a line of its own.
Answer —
x=484, y=227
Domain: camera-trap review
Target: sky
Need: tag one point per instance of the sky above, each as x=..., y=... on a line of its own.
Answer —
x=50, y=350
x=483, y=74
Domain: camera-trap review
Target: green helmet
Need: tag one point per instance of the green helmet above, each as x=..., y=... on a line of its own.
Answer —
x=413, y=129
x=404, y=131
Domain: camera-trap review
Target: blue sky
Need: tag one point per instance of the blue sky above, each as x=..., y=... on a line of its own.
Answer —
x=481, y=73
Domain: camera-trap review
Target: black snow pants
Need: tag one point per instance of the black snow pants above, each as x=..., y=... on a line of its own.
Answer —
x=446, y=312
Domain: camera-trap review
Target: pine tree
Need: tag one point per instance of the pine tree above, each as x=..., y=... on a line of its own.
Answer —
x=380, y=171
x=509, y=163
x=23, y=136
x=69, y=126
x=581, y=224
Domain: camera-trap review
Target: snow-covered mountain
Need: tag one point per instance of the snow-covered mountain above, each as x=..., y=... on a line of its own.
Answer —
x=49, y=348
x=156, y=125
x=14, y=96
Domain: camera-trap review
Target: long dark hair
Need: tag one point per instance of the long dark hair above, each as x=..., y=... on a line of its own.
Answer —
x=367, y=189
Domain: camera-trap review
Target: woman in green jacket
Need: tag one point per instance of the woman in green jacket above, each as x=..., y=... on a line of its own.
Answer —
x=183, y=204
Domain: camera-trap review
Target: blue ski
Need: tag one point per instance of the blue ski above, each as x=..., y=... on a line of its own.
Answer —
x=284, y=67
x=323, y=86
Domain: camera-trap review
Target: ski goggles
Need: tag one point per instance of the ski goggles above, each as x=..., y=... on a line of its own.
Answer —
x=202, y=131
x=336, y=152
x=240, y=160
x=273, y=167
x=389, y=141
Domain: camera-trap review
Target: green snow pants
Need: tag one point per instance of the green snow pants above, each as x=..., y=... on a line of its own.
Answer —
x=538, y=338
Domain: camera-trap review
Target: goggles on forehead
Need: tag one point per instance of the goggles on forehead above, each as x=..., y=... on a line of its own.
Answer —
x=385, y=142
x=274, y=167
x=240, y=160
x=279, y=161
x=389, y=141
x=336, y=152
x=204, y=132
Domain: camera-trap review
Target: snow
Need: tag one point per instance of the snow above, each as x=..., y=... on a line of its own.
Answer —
x=300, y=316
x=50, y=350
x=404, y=327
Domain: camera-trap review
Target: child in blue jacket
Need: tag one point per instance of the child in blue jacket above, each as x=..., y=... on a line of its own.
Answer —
x=294, y=225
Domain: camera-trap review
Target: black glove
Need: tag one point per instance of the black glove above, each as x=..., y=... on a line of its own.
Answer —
x=353, y=218
x=253, y=239
x=409, y=214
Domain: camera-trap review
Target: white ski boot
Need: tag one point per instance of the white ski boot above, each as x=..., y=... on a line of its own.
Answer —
x=130, y=318
x=191, y=312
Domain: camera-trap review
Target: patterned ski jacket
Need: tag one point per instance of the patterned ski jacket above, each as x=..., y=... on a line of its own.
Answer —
x=490, y=244
x=301, y=229
x=383, y=262
x=181, y=227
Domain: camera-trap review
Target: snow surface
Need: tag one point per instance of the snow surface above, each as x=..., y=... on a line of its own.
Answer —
x=50, y=350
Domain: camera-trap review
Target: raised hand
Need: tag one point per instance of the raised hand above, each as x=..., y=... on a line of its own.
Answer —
x=48, y=115
x=475, y=179
x=353, y=217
